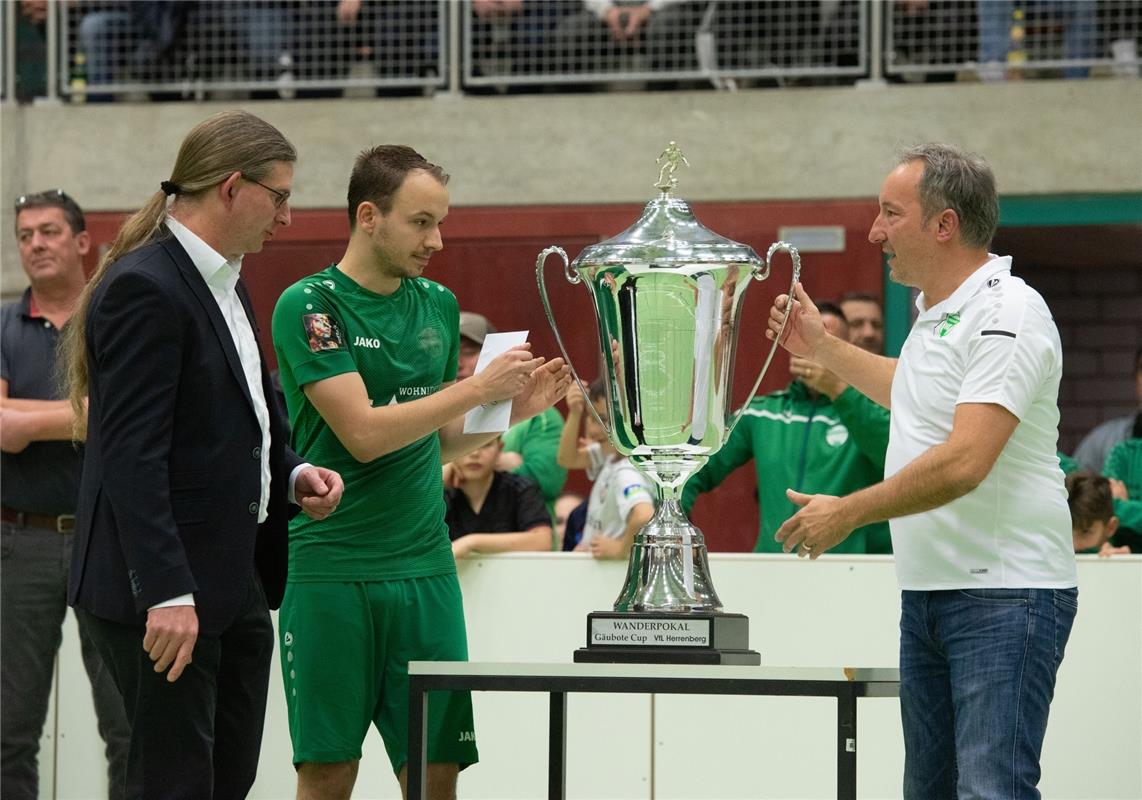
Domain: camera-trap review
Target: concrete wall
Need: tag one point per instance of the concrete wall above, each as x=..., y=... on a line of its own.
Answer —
x=829, y=613
x=1041, y=137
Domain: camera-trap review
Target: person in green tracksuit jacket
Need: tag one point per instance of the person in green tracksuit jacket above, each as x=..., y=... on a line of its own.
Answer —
x=801, y=439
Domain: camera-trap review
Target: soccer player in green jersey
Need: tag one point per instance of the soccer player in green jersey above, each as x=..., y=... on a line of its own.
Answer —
x=367, y=350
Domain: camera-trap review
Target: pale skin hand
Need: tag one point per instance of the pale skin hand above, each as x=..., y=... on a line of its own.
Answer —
x=170, y=637
x=602, y=547
x=626, y=22
x=15, y=430
x=1107, y=550
x=806, y=336
x=1118, y=489
x=942, y=474
x=816, y=377
x=318, y=491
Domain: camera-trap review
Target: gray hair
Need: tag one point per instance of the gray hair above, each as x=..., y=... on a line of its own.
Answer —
x=960, y=181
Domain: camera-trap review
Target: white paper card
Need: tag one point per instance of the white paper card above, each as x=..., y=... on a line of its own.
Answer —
x=493, y=417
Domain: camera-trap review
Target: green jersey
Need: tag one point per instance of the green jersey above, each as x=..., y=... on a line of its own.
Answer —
x=537, y=442
x=807, y=444
x=390, y=523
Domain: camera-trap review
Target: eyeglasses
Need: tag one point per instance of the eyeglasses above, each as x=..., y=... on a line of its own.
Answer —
x=280, y=198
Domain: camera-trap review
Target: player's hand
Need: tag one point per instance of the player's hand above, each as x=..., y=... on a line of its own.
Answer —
x=544, y=388
x=318, y=491
x=805, y=331
x=507, y=374
x=820, y=525
x=170, y=637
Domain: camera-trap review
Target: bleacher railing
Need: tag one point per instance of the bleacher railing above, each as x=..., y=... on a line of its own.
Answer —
x=286, y=48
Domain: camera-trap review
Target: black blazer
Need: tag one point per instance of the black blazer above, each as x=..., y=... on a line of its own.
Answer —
x=168, y=501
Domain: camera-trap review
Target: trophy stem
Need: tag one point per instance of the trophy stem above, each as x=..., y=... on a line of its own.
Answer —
x=668, y=569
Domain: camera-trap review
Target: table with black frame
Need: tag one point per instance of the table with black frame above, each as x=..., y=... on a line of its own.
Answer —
x=845, y=684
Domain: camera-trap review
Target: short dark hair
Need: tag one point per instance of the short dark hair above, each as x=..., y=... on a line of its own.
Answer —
x=1089, y=498
x=858, y=297
x=54, y=198
x=378, y=174
x=832, y=309
x=597, y=389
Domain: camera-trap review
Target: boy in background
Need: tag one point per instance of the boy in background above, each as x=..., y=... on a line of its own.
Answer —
x=622, y=499
x=1092, y=514
x=492, y=511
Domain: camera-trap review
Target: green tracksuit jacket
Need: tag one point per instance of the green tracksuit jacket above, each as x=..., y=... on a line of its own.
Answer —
x=808, y=444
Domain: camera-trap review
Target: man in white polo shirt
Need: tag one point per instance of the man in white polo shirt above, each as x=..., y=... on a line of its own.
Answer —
x=972, y=485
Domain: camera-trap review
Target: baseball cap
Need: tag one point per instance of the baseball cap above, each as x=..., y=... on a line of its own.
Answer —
x=475, y=326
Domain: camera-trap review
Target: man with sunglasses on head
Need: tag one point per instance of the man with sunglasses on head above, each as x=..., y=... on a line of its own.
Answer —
x=41, y=467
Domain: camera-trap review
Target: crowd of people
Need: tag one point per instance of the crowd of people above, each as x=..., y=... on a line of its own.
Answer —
x=175, y=529
x=311, y=47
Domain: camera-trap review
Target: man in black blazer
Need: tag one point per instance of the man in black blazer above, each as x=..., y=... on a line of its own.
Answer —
x=187, y=482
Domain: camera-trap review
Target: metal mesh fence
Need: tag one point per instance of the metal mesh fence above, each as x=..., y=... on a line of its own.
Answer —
x=570, y=41
x=999, y=39
x=272, y=46
x=286, y=48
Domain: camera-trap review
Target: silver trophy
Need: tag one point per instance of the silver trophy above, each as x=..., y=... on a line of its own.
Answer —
x=667, y=294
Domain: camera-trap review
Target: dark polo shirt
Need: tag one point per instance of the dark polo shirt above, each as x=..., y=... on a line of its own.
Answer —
x=44, y=477
x=513, y=504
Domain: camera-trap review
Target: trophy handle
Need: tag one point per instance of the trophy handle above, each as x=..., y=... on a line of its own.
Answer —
x=573, y=277
x=760, y=273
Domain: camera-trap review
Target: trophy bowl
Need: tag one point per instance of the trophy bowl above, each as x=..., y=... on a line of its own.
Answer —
x=667, y=295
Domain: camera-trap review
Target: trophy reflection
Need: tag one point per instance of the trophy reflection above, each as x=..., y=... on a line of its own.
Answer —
x=667, y=295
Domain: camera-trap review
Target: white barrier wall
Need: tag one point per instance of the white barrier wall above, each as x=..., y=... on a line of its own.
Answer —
x=832, y=612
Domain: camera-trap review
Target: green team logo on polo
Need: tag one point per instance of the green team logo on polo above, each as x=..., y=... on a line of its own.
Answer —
x=946, y=323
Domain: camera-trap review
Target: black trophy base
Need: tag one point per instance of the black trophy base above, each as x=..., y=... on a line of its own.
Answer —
x=615, y=637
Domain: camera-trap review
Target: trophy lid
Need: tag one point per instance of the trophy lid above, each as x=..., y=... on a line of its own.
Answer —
x=667, y=234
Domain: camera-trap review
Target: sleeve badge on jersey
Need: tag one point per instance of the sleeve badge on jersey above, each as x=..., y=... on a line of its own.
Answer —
x=322, y=332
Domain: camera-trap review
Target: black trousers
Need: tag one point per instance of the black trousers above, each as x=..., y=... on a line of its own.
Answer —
x=199, y=737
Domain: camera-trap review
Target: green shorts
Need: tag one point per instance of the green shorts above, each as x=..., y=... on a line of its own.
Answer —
x=345, y=649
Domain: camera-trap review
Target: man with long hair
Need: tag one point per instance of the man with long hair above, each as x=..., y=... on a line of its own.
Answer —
x=187, y=479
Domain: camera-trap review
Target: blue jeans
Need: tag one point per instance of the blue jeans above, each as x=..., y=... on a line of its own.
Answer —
x=977, y=674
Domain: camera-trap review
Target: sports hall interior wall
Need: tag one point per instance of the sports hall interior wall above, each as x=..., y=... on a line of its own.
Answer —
x=570, y=170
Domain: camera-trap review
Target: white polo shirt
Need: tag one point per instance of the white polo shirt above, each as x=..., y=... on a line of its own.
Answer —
x=991, y=341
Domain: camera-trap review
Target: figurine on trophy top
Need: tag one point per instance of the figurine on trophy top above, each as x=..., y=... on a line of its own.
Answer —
x=667, y=295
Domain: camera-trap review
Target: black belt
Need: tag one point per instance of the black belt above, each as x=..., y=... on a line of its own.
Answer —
x=60, y=523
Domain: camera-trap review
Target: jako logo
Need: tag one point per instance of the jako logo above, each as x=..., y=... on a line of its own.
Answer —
x=287, y=639
x=361, y=341
x=467, y=736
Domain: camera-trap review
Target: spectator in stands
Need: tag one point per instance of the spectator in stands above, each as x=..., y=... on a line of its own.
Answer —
x=1093, y=521
x=492, y=511
x=622, y=499
x=818, y=435
x=1001, y=32
x=512, y=36
x=1124, y=470
x=150, y=40
x=41, y=467
x=865, y=318
x=394, y=38
x=529, y=448
x=31, y=50
x=610, y=36
x=1096, y=445
x=565, y=506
